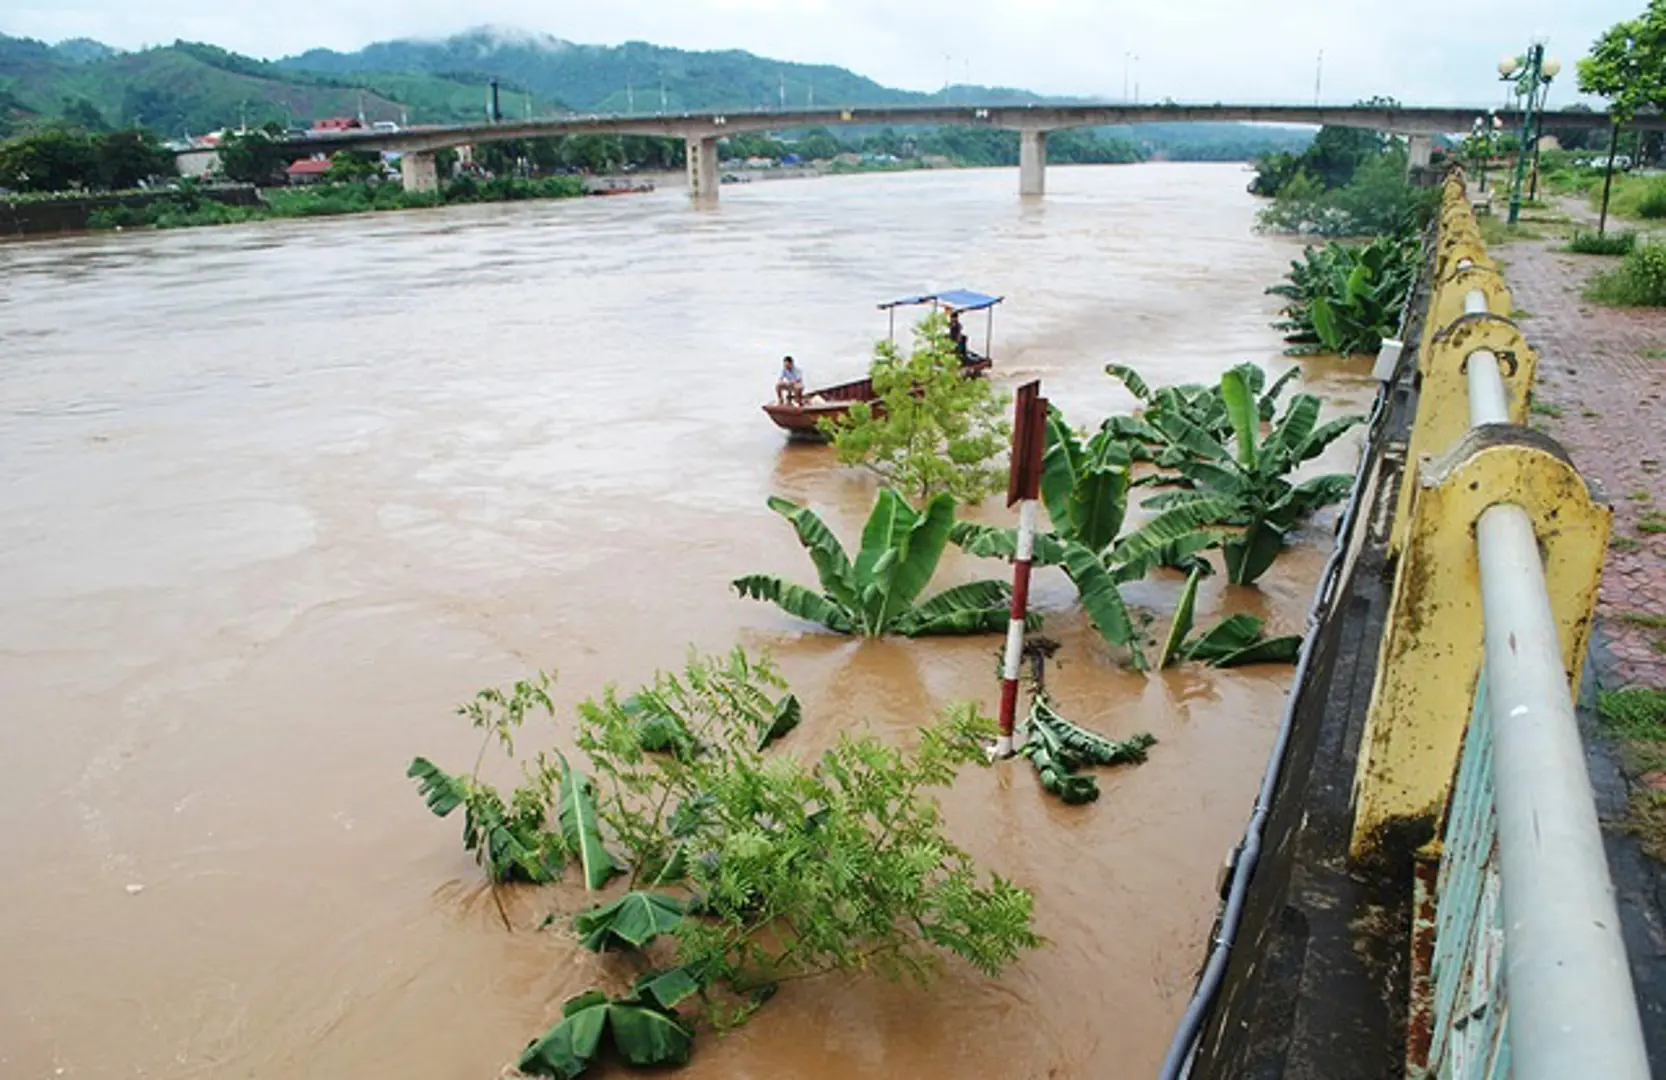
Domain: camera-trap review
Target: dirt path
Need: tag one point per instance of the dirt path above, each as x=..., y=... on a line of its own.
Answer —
x=1602, y=394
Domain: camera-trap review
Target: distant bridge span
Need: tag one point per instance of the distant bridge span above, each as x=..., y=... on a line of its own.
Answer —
x=702, y=130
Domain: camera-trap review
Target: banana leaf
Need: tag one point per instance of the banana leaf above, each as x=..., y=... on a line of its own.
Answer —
x=974, y=608
x=786, y=716
x=1242, y=410
x=1189, y=439
x=1289, y=436
x=1310, y=495
x=1098, y=503
x=901, y=579
x=629, y=922
x=796, y=600
x=1269, y=400
x=1154, y=542
x=508, y=844
x=1055, y=778
x=1077, y=747
x=659, y=728
x=1238, y=640
x=581, y=828
x=643, y=1035
x=888, y=523
x=1251, y=553
x=1326, y=434
x=1131, y=379
x=993, y=542
x=833, y=567
x=565, y=1050
x=1182, y=623
x=667, y=989
x=442, y=791
x=1107, y=612
x=1061, y=463
x=1325, y=324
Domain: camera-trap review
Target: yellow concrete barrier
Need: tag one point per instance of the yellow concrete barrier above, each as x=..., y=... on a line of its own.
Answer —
x=1431, y=652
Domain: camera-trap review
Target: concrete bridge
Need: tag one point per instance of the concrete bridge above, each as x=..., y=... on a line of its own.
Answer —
x=701, y=131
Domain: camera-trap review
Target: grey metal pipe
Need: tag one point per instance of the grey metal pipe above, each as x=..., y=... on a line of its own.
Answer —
x=1487, y=403
x=1573, y=1010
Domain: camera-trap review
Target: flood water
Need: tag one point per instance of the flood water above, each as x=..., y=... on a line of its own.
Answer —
x=274, y=498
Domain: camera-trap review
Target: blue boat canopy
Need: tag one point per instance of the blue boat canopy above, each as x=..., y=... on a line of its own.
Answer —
x=953, y=299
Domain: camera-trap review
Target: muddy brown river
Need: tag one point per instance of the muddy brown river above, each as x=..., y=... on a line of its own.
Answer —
x=274, y=498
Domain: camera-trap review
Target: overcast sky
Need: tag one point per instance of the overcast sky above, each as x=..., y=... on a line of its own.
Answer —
x=1425, y=51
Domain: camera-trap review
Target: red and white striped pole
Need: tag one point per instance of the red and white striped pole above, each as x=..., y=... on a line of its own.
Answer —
x=1029, y=438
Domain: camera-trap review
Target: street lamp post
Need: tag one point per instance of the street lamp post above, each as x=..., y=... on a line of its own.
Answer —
x=1529, y=74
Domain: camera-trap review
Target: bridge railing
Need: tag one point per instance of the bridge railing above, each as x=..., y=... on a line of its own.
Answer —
x=1471, y=754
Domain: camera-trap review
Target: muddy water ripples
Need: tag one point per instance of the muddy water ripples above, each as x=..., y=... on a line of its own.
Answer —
x=273, y=498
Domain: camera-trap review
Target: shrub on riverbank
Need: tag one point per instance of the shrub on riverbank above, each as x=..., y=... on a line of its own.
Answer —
x=185, y=208
x=1589, y=242
x=1639, y=281
x=1377, y=201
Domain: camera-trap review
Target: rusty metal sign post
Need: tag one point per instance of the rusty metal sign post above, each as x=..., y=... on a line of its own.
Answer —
x=1029, y=442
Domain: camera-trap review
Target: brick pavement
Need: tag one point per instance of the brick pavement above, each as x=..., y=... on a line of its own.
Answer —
x=1604, y=369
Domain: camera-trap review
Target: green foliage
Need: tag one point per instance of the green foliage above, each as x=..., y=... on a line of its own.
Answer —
x=1234, y=642
x=1085, y=489
x=1639, y=281
x=1627, y=64
x=629, y=922
x=793, y=868
x=1590, y=242
x=1250, y=487
x=876, y=594
x=352, y=166
x=188, y=208
x=1329, y=162
x=254, y=157
x=931, y=428
x=644, y=1032
x=1377, y=200
x=1636, y=712
x=1346, y=298
x=1059, y=749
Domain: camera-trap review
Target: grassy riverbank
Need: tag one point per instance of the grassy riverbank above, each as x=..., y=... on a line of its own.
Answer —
x=186, y=207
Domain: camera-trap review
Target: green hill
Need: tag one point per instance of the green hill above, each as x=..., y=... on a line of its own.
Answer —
x=597, y=78
x=191, y=88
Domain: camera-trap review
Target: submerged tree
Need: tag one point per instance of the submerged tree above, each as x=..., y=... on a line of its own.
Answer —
x=761, y=866
x=931, y=429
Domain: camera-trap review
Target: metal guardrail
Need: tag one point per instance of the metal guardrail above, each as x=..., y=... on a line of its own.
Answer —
x=1530, y=977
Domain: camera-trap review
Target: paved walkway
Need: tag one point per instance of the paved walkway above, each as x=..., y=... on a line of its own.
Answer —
x=1604, y=370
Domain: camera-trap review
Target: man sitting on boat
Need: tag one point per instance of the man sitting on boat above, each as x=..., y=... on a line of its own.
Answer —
x=789, y=388
x=957, y=336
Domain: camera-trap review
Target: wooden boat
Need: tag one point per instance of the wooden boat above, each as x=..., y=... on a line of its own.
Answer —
x=803, y=421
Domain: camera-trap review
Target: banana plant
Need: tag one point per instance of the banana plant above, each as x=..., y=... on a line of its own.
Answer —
x=876, y=593
x=1198, y=403
x=1346, y=298
x=1251, y=477
x=1085, y=489
x=1233, y=642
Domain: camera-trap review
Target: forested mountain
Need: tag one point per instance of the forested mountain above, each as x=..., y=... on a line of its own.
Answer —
x=192, y=88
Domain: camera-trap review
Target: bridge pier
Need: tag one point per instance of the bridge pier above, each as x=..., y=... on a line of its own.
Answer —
x=1420, y=150
x=1032, y=161
x=702, y=166
x=418, y=172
